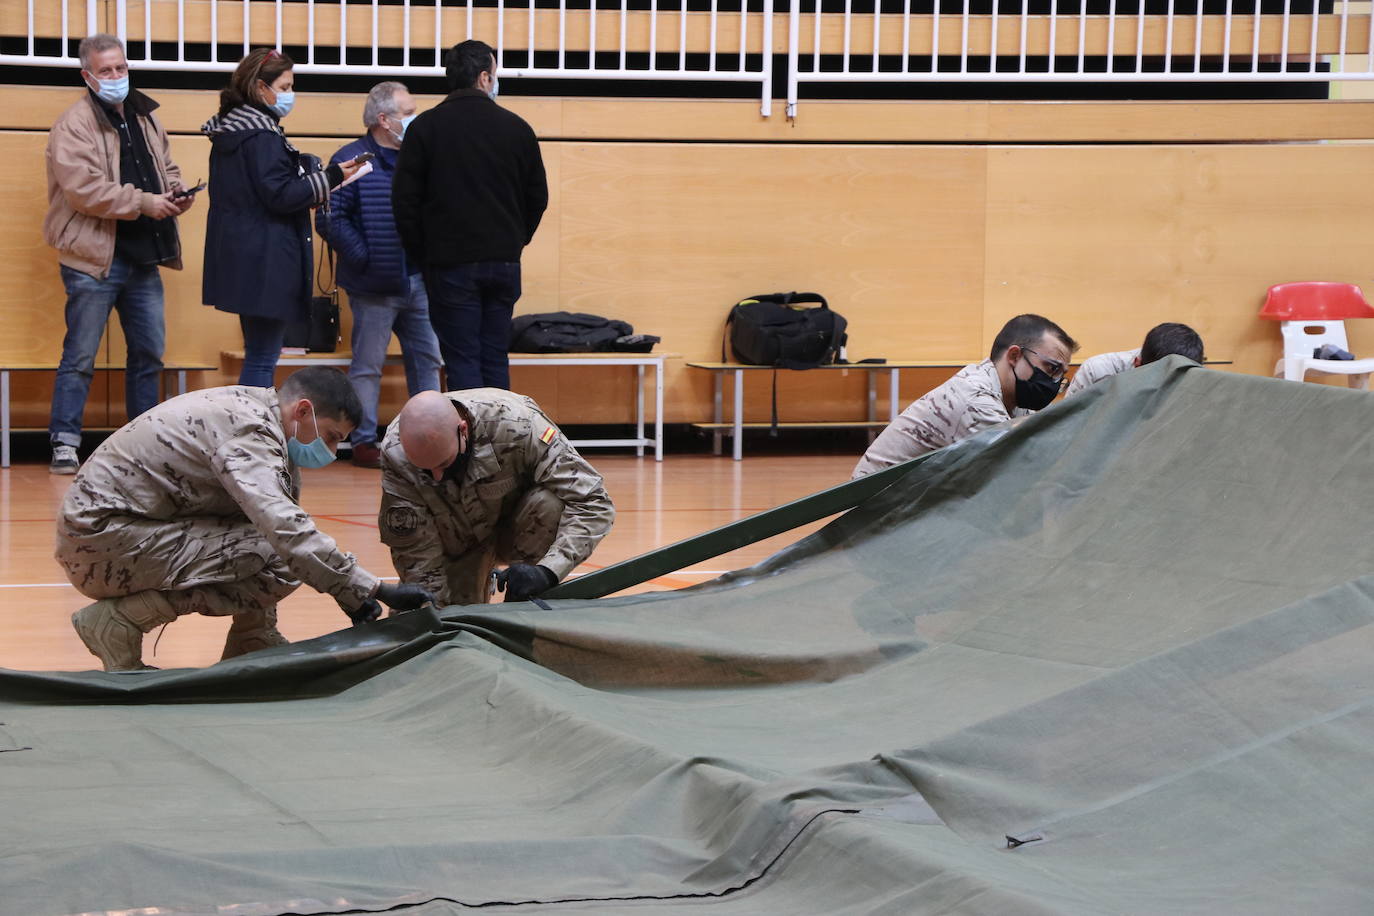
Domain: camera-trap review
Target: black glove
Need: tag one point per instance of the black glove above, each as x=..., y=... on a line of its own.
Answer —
x=366, y=612
x=403, y=597
x=521, y=580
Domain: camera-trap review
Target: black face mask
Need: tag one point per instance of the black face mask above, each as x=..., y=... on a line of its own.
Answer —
x=1036, y=392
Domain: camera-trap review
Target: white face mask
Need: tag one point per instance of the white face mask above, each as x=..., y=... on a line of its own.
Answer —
x=495, y=89
x=404, y=122
x=112, y=91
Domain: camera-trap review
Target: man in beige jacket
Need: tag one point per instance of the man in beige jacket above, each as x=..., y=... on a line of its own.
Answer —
x=112, y=208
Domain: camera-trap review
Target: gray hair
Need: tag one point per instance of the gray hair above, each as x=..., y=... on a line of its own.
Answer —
x=381, y=100
x=94, y=44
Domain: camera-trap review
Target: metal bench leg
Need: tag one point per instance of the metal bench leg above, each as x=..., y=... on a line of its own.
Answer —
x=658, y=413
x=739, y=415
x=639, y=410
x=5, y=417
x=718, y=387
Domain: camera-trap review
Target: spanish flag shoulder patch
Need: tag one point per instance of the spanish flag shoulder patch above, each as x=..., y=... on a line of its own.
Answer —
x=548, y=435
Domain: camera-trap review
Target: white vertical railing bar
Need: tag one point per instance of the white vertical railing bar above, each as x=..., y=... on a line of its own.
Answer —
x=766, y=106
x=1283, y=51
x=963, y=40
x=31, y=28
x=848, y=31
x=343, y=30
x=1054, y=32
x=653, y=36
x=906, y=36
x=214, y=32
x=467, y=35
x=122, y=22
x=278, y=26
x=439, y=34
x=1025, y=31
x=1226, y=42
x=147, y=29
x=1255, y=42
x=310, y=32
x=562, y=36
x=247, y=25
x=624, y=41
x=682, y=38
x=1169, y=39
x=1316, y=24
x=934, y=37
x=181, y=29
x=992, y=49
x=877, y=24
x=529, y=53
x=591, y=35
x=405, y=35
x=743, y=33
x=91, y=27
x=1345, y=24
x=500, y=31
x=65, y=30
x=1140, y=37
x=794, y=53
x=375, y=58
x=711, y=64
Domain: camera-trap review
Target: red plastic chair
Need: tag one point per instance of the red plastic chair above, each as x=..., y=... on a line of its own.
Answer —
x=1310, y=315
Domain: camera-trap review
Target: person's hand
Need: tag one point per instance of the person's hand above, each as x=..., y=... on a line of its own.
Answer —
x=366, y=612
x=158, y=206
x=403, y=596
x=521, y=580
x=348, y=167
x=183, y=203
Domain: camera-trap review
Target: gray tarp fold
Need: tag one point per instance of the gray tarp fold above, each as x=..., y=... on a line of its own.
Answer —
x=1132, y=635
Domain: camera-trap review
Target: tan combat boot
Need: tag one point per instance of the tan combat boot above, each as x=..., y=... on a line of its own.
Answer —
x=251, y=631
x=113, y=628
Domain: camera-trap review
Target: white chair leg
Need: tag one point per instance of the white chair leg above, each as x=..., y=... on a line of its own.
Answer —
x=1358, y=381
x=1293, y=369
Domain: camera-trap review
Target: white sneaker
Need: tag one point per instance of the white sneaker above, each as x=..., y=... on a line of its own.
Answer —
x=64, y=460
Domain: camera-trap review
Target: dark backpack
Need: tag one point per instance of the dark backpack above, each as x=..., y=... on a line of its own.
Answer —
x=775, y=330
x=574, y=332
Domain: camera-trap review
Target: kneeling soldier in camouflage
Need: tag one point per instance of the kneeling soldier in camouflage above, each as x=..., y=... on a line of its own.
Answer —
x=478, y=476
x=192, y=508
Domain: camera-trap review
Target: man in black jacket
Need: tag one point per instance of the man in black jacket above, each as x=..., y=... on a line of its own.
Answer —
x=468, y=194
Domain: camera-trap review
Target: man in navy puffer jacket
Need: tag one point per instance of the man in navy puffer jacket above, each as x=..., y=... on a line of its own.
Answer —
x=385, y=291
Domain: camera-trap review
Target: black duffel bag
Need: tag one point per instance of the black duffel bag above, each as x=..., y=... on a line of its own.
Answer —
x=778, y=329
x=575, y=332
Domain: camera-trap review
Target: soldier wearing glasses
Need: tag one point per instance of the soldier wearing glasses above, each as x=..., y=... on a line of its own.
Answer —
x=1023, y=373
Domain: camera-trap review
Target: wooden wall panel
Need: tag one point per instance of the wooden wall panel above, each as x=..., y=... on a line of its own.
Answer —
x=1112, y=240
x=926, y=249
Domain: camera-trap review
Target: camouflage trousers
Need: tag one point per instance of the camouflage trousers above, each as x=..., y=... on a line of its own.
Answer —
x=524, y=536
x=192, y=566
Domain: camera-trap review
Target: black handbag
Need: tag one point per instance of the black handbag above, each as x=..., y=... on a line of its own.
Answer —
x=319, y=333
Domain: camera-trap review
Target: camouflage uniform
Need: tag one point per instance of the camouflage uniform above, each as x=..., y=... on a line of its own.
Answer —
x=191, y=508
x=526, y=496
x=967, y=403
x=1104, y=365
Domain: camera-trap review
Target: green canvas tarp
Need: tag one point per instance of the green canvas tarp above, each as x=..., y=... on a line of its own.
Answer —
x=1118, y=659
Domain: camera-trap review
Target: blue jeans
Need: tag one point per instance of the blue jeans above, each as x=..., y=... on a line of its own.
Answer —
x=374, y=319
x=136, y=294
x=470, y=306
x=262, y=339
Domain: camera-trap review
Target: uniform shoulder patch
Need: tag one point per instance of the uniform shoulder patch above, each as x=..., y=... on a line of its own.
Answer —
x=284, y=478
x=548, y=435
x=402, y=521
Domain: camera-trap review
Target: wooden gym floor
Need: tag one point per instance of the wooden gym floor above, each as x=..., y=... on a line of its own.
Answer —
x=657, y=503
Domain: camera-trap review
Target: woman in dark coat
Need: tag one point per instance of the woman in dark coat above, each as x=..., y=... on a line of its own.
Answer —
x=258, y=254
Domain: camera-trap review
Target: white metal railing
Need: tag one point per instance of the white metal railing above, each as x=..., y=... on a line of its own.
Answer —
x=718, y=41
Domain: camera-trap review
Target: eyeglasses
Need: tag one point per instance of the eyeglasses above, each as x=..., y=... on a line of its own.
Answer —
x=1057, y=369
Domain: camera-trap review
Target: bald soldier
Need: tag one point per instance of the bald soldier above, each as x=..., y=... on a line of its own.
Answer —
x=192, y=508
x=1162, y=340
x=1023, y=373
x=480, y=476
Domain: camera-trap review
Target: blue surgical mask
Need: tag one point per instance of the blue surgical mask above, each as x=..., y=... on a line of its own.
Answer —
x=314, y=454
x=495, y=89
x=113, y=91
x=284, y=103
x=405, y=123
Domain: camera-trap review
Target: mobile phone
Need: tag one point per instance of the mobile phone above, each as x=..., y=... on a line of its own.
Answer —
x=180, y=193
x=363, y=157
